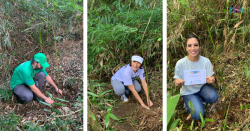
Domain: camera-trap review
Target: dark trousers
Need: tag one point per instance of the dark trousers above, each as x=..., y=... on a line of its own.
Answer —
x=25, y=93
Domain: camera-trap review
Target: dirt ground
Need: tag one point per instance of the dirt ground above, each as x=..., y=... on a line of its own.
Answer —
x=70, y=62
x=134, y=116
x=137, y=117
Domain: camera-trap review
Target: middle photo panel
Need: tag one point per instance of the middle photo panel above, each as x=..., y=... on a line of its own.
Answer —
x=125, y=65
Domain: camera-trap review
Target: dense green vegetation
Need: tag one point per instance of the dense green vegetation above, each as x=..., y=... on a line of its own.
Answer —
x=224, y=40
x=116, y=30
x=51, y=27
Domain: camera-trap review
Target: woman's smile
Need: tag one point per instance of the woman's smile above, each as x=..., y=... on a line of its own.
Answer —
x=135, y=65
x=193, y=47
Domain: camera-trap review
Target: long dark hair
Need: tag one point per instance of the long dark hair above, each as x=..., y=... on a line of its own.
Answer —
x=137, y=54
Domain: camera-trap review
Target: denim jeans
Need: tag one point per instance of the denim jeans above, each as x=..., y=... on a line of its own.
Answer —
x=206, y=94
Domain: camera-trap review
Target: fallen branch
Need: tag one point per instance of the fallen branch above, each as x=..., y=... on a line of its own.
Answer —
x=244, y=123
x=69, y=113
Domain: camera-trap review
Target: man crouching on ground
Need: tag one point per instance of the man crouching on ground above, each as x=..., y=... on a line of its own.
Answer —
x=28, y=78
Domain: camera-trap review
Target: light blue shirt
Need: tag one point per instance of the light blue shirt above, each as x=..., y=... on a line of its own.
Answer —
x=186, y=64
x=127, y=75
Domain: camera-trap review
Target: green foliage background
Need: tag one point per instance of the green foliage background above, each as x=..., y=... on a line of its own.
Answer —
x=115, y=30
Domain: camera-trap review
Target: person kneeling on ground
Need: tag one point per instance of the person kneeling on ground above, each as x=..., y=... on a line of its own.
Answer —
x=28, y=78
x=197, y=93
x=124, y=80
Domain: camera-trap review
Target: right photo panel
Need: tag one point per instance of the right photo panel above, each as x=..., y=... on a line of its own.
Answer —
x=208, y=65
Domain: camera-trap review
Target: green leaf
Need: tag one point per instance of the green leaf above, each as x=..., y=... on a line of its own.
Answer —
x=38, y=128
x=105, y=92
x=59, y=121
x=225, y=10
x=109, y=109
x=171, y=104
x=45, y=103
x=59, y=104
x=190, y=104
x=209, y=120
x=93, y=94
x=241, y=107
x=47, y=110
x=113, y=116
x=202, y=121
x=49, y=95
x=93, y=117
x=61, y=100
x=159, y=39
x=57, y=111
x=192, y=125
x=247, y=106
x=107, y=120
x=174, y=124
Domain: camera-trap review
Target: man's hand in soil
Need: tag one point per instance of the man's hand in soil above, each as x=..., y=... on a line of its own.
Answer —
x=143, y=105
x=48, y=100
x=59, y=91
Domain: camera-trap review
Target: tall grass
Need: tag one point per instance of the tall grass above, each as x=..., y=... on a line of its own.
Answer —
x=118, y=29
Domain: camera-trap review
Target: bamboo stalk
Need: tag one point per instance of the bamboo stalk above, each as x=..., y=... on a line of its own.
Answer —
x=216, y=59
x=143, y=55
x=56, y=59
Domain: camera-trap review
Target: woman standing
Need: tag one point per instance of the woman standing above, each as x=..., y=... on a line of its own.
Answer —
x=200, y=92
x=124, y=81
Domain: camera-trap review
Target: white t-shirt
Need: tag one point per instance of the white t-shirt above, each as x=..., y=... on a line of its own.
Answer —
x=127, y=75
x=186, y=64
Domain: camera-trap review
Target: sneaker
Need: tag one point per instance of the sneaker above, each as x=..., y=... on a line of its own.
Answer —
x=185, y=107
x=204, y=103
x=124, y=98
x=127, y=92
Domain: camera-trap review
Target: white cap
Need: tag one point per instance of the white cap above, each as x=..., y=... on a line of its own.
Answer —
x=137, y=58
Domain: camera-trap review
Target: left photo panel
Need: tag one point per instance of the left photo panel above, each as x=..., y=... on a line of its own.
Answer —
x=41, y=65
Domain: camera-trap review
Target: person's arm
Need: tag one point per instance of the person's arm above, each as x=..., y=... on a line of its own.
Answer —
x=132, y=89
x=145, y=87
x=40, y=94
x=51, y=82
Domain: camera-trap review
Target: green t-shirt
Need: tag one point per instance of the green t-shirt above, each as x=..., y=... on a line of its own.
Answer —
x=24, y=74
